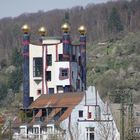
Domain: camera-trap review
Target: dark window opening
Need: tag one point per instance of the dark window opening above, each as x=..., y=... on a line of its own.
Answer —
x=38, y=91
x=48, y=75
x=73, y=58
x=51, y=90
x=43, y=112
x=37, y=67
x=60, y=57
x=63, y=58
x=80, y=113
x=49, y=59
x=91, y=136
x=67, y=88
x=79, y=60
x=89, y=115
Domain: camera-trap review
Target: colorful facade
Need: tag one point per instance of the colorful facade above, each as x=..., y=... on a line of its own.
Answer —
x=61, y=107
x=55, y=66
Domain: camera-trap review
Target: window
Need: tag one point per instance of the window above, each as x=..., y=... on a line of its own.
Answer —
x=60, y=57
x=89, y=115
x=60, y=89
x=63, y=58
x=37, y=67
x=48, y=75
x=63, y=73
x=90, y=133
x=67, y=88
x=73, y=58
x=80, y=113
x=38, y=91
x=79, y=60
x=49, y=59
x=51, y=90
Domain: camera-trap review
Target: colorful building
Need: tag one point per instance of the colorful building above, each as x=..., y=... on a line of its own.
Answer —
x=56, y=100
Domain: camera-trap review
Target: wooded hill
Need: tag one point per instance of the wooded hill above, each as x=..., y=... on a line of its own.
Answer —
x=103, y=22
x=113, y=32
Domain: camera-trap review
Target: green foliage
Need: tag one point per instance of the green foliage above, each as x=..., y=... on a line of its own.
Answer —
x=16, y=59
x=114, y=22
x=3, y=63
x=117, y=69
x=3, y=90
x=15, y=80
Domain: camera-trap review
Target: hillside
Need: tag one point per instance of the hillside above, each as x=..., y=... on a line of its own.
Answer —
x=103, y=22
x=116, y=65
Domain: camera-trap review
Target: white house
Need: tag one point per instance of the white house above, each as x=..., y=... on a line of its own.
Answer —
x=79, y=116
x=91, y=119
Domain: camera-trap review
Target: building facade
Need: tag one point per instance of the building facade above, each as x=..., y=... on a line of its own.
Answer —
x=55, y=98
x=54, y=66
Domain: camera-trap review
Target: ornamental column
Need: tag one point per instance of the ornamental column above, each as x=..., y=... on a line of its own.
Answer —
x=42, y=31
x=82, y=31
x=25, y=51
x=66, y=41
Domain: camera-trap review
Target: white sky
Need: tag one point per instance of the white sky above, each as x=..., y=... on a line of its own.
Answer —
x=12, y=8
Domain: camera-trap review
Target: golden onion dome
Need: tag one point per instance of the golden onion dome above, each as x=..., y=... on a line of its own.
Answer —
x=82, y=30
x=65, y=28
x=25, y=28
x=42, y=31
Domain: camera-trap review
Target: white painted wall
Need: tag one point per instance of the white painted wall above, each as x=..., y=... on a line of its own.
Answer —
x=78, y=128
x=51, y=46
x=34, y=51
x=59, y=65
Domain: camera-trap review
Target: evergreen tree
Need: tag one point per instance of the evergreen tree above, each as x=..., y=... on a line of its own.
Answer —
x=114, y=22
x=15, y=78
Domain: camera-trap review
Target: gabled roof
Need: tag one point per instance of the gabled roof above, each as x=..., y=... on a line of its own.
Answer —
x=69, y=99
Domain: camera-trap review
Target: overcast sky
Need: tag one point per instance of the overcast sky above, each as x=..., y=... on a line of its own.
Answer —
x=12, y=8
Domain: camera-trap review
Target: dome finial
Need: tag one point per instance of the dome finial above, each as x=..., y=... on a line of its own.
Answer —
x=25, y=28
x=82, y=30
x=65, y=28
x=42, y=31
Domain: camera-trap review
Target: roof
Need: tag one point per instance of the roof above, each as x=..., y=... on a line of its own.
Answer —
x=69, y=99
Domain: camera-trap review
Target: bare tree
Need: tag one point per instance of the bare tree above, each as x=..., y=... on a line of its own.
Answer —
x=105, y=129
